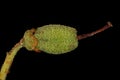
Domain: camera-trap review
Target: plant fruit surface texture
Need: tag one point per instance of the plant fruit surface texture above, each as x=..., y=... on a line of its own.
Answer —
x=56, y=39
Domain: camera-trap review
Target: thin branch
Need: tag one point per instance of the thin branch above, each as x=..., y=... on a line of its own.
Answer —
x=108, y=25
x=9, y=59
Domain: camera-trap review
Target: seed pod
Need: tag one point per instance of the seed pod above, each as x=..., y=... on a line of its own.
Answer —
x=56, y=39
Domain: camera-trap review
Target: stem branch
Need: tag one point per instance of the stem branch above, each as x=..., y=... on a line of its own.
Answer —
x=108, y=25
x=9, y=59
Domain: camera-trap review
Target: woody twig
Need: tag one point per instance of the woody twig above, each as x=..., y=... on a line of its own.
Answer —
x=108, y=25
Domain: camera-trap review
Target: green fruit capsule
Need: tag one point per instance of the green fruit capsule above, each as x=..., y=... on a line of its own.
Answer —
x=56, y=39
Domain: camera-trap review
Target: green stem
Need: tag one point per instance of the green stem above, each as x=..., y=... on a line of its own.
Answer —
x=9, y=59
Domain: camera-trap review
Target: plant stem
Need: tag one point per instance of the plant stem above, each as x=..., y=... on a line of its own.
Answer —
x=108, y=25
x=9, y=59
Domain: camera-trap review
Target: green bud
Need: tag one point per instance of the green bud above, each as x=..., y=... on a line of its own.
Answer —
x=56, y=39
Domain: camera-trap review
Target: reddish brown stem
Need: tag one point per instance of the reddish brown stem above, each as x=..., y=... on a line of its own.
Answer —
x=108, y=25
